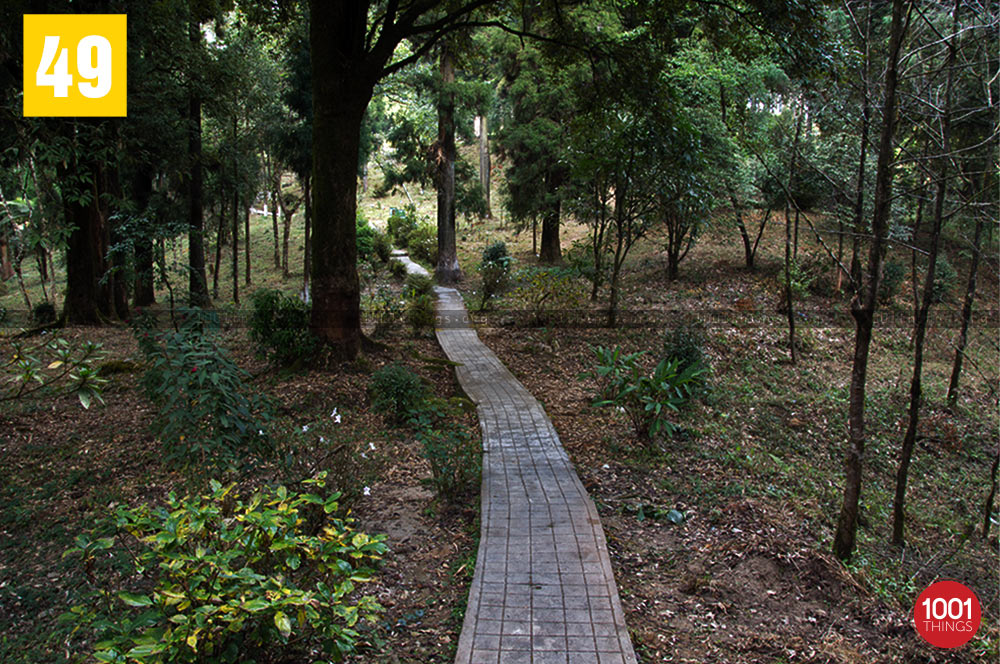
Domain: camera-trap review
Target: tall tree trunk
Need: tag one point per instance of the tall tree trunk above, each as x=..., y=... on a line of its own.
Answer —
x=447, y=270
x=288, y=214
x=246, y=244
x=484, y=163
x=970, y=295
x=88, y=301
x=198, y=282
x=865, y=302
x=307, y=254
x=789, y=252
x=275, y=187
x=343, y=81
x=6, y=269
x=910, y=437
x=236, y=245
x=551, y=251
x=144, y=293
x=859, y=200
x=219, y=239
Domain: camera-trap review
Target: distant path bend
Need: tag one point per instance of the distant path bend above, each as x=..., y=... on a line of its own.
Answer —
x=543, y=590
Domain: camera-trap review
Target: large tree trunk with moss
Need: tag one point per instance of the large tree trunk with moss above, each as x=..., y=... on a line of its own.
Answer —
x=447, y=270
x=343, y=81
x=197, y=283
x=864, y=304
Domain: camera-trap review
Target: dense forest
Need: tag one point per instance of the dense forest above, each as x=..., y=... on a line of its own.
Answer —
x=744, y=252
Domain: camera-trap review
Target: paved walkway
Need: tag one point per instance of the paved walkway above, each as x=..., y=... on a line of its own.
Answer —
x=543, y=590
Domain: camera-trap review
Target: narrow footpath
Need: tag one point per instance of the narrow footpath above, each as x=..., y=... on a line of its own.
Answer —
x=543, y=590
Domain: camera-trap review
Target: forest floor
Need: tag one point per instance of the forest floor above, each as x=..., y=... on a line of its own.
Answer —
x=64, y=468
x=756, y=469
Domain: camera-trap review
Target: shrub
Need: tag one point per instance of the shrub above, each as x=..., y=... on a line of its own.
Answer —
x=396, y=392
x=381, y=245
x=419, y=295
x=279, y=326
x=453, y=452
x=544, y=292
x=397, y=269
x=945, y=279
x=420, y=313
x=400, y=223
x=418, y=284
x=495, y=252
x=893, y=274
x=44, y=313
x=54, y=366
x=207, y=414
x=423, y=245
x=220, y=578
x=364, y=237
x=384, y=307
x=685, y=343
x=645, y=398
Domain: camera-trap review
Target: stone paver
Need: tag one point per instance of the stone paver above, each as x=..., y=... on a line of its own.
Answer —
x=543, y=590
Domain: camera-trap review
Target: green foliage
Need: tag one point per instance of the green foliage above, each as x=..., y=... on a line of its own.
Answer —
x=685, y=343
x=384, y=307
x=222, y=578
x=364, y=237
x=945, y=280
x=422, y=242
x=496, y=278
x=548, y=292
x=453, y=452
x=381, y=245
x=400, y=223
x=279, y=326
x=646, y=398
x=893, y=274
x=803, y=275
x=495, y=251
x=396, y=392
x=397, y=269
x=207, y=414
x=418, y=293
x=55, y=366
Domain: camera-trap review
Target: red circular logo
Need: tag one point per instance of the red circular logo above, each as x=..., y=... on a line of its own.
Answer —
x=947, y=614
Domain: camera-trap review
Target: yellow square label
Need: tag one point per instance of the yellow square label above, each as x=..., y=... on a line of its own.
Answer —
x=75, y=65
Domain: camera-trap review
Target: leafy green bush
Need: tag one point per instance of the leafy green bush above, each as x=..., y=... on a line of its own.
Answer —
x=685, y=342
x=495, y=251
x=396, y=392
x=646, y=398
x=422, y=242
x=453, y=452
x=400, y=223
x=279, y=326
x=207, y=414
x=220, y=578
x=54, y=366
x=893, y=274
x=547, y=292
x=364, y=237
x=945, y=279
x=381, y=245
x=418, y=293
x=384, y=307
x=397, y=269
